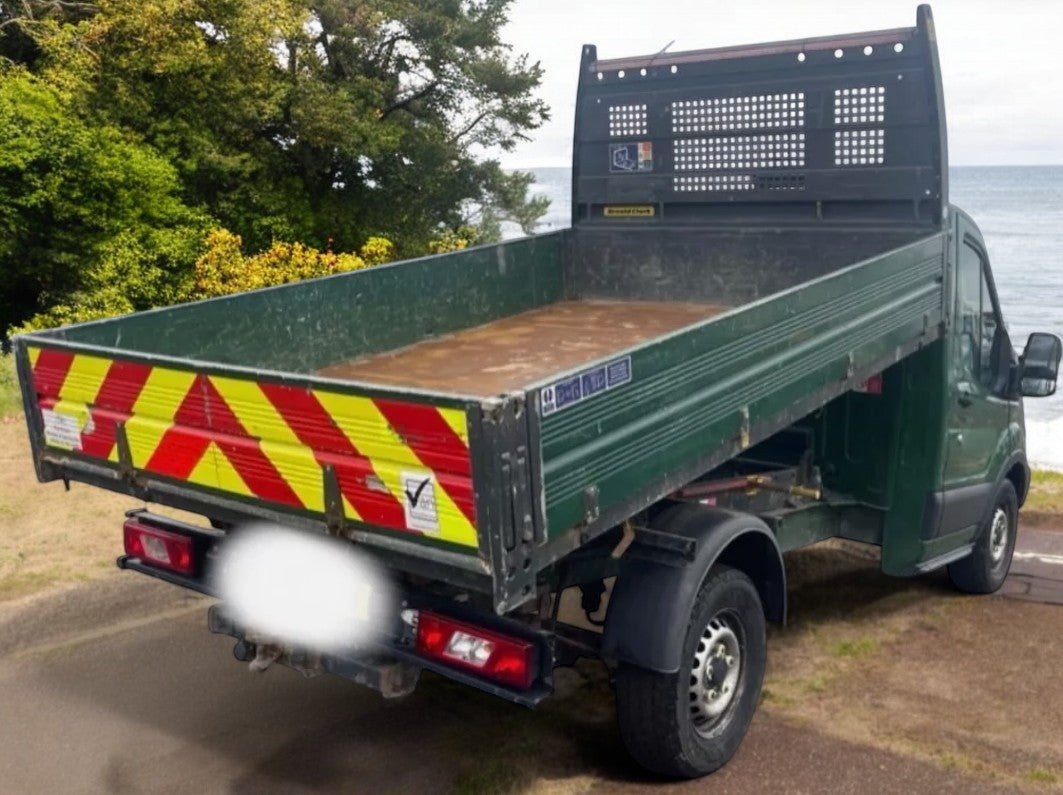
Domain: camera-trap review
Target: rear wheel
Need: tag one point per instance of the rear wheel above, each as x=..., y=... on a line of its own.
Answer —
x=984, y=570
x=689, y=723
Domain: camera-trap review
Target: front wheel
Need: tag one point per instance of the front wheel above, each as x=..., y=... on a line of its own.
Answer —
x=984, y=570
x=690, y=723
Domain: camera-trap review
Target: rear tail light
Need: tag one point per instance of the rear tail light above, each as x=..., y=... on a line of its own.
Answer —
x=489, y=654
x=872, y=386
x=159, y=547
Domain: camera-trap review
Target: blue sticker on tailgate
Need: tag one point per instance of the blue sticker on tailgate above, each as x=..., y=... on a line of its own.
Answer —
x=584, y=386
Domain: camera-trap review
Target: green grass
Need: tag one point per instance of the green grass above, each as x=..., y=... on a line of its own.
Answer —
x=10, y=399
x=1046, y=492
x=771, y=696
x=854, y=648
x=818, y=683
x=1041, y=775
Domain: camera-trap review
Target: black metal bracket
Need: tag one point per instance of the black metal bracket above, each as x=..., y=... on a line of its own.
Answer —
x=508, y=512
x=335, y=519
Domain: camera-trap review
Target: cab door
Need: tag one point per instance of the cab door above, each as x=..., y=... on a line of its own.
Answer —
x=980, y=358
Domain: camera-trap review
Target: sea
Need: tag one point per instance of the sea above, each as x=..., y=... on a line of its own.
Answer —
x=1020, y=212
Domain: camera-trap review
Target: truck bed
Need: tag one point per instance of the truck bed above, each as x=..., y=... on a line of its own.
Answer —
x=539, y=386
x=514, y=352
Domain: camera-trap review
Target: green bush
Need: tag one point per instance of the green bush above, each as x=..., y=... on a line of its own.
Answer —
x=224, y=268
x=92, y=222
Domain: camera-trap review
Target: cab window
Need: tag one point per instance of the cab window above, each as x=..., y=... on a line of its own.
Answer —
x=981, y=336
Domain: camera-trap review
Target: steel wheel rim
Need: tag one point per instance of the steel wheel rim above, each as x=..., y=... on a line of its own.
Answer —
x=998, y=535
x=715, y=672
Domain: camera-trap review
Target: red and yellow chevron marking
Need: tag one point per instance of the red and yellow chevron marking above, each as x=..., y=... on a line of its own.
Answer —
x=402, y=466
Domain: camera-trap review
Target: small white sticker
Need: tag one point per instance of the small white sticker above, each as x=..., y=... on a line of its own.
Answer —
x=419, y=501
x=61, y=430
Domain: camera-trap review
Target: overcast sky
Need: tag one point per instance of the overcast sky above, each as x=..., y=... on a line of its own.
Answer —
x=1002, y=59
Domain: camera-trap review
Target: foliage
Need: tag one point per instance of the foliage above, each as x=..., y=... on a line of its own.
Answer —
x=144, y=123
x=332, y=120
x=454, y=240
x=20, y=20
x=510, y=203
x=377, y=250
x=91, y=222
x=224, y=269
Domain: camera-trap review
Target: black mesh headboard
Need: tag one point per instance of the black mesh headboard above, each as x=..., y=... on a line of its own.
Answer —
x=848, y=128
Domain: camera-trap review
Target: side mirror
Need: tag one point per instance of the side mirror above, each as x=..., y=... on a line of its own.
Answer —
x=1040, y=365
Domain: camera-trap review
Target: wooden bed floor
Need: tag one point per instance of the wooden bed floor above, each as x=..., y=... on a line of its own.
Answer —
x=515, y=351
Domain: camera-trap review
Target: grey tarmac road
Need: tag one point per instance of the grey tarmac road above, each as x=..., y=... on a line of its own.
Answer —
x=117, y=687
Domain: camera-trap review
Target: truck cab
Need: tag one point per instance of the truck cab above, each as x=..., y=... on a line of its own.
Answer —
x=956, y=415
x=985, y=433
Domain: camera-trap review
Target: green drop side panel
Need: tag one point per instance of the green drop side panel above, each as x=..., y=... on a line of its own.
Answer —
x=302, y=327
x=758, y=368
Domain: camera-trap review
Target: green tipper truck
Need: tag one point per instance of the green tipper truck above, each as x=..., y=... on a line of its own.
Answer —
x=766, y=327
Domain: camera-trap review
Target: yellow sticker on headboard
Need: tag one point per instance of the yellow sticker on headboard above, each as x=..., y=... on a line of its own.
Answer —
x=630, y=211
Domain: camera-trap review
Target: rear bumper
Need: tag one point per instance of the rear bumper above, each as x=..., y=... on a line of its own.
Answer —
x=389, y=664
x=136, y=564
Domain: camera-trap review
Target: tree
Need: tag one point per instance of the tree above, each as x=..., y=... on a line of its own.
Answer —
x=131, y=127
x=84, y=211
x=20, y=20
x=315, y=121
x=440, y=85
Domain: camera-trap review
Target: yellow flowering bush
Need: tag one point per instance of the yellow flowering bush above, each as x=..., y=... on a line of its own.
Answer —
x=452, y=241
x=377, y=250
x=223, y=268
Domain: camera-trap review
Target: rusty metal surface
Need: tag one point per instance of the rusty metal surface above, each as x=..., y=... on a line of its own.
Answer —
x=510, y=353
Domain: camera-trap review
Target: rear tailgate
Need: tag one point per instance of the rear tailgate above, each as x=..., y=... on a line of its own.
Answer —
x=391, y=469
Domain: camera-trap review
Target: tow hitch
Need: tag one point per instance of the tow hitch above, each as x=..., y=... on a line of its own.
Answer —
x=391, y=677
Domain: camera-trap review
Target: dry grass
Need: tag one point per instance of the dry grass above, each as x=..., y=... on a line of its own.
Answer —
x=911, y=667
x=1046, y=492
x=49, y=536
x=10, y=399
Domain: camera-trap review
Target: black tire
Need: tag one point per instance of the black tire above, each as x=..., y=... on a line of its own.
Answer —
x=984, y=570
x=658, y=713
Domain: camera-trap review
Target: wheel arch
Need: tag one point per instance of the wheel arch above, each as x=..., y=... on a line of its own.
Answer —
x=655, y=591
x=1018, y=472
